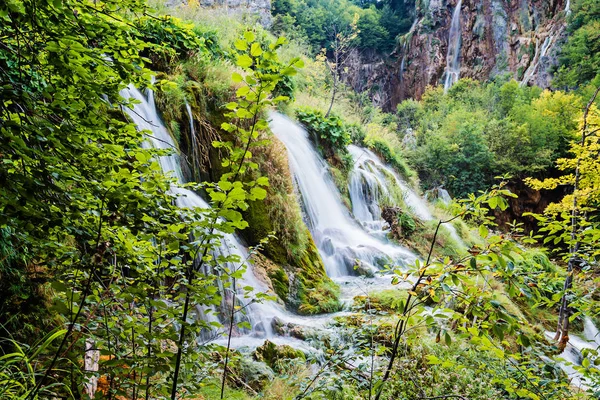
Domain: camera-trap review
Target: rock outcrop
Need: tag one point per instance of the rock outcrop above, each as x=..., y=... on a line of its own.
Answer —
x=518, y=37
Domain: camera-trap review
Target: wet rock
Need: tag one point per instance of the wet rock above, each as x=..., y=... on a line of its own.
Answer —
x=272, y=354
x=283, y=328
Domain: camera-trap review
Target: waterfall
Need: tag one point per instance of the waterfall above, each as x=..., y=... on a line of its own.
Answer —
x=145, y=116
x=194, y=143
x=341, y=241
x=369, y=181
x=568, y=7
x=444, y=196
x=572, y=353
x=539, y=54
x=452, y=58
x=405, y=48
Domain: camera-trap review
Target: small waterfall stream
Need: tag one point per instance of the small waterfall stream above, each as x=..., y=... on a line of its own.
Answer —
x=572, y=354
x=259, y=315
x=405, y=49
x=369, y=181
x=453, y=55
x=540, y=52
x=341, y=241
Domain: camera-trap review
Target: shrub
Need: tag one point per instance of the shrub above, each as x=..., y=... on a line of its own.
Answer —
x=330, y=131
x=171, y=39
x=383, y=149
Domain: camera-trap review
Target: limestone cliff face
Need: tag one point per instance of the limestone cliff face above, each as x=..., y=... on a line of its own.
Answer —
x=519, y=37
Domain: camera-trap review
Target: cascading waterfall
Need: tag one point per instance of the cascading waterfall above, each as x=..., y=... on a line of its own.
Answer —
x=444, y=196
x=259, y=315
x=572, y=353
x=568, y=7
x=539, y=54
x=405, y=49
x=340, y=240
x=453, y=55
x=369, y=180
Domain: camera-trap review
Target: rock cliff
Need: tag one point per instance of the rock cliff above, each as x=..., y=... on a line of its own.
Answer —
x=518, y=37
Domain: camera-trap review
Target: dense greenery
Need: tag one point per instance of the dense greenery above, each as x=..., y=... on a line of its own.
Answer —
x=330, y=131
x=481, y=130
x=580, y=56
x=104, y=254
x=317, y=22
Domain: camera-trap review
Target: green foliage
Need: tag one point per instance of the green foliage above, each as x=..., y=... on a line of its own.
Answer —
x=330, y=131
x=480, y=130
x=317, y=22
x=89, y=206
x=391, y=157
x=171, y=40
x=579, y=59
x=407, y=223
x=20, y=368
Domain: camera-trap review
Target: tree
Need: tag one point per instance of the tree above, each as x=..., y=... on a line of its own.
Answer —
x=342, y=44
x=573, y=221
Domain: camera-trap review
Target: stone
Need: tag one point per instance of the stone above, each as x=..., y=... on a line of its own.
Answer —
x=272, y=354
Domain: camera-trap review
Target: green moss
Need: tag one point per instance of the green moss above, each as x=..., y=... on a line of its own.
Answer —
x=340, y=178
x=316, y=292
x=281, y=283
x=274, y=355
x=386, y=300
x=260, y=226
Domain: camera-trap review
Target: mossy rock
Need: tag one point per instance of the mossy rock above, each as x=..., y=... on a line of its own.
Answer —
x=255, y=374
x=391, y=300
x=315, y=291
x=273, y=355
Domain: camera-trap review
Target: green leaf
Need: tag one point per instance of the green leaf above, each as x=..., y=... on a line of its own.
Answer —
x=255, y=50
x=249, y=36
x=241, y=45
x=483, y=231
x=236, y=77
x=244, y=61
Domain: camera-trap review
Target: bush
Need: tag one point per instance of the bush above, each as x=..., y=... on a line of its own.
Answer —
x=330, y=131
x=357, y=133
x=171, y=39
x=383, y=149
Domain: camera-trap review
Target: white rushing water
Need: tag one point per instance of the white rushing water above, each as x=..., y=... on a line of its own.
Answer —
x=572, y=355
x=540, y=52
x=405, y=49
x=370, y=180
x=341, y=241
x=259, y=315
x=453, y=55
x=568, y=7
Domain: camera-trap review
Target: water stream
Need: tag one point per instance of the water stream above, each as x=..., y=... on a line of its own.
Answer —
x=342, y=242
x=453, y=55
x=540, y=52
x=405, y=48
x=572, y=355
x=369, y=183
x=259, y=315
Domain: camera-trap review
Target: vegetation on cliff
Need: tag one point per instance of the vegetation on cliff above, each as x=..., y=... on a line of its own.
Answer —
x=117, y=281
